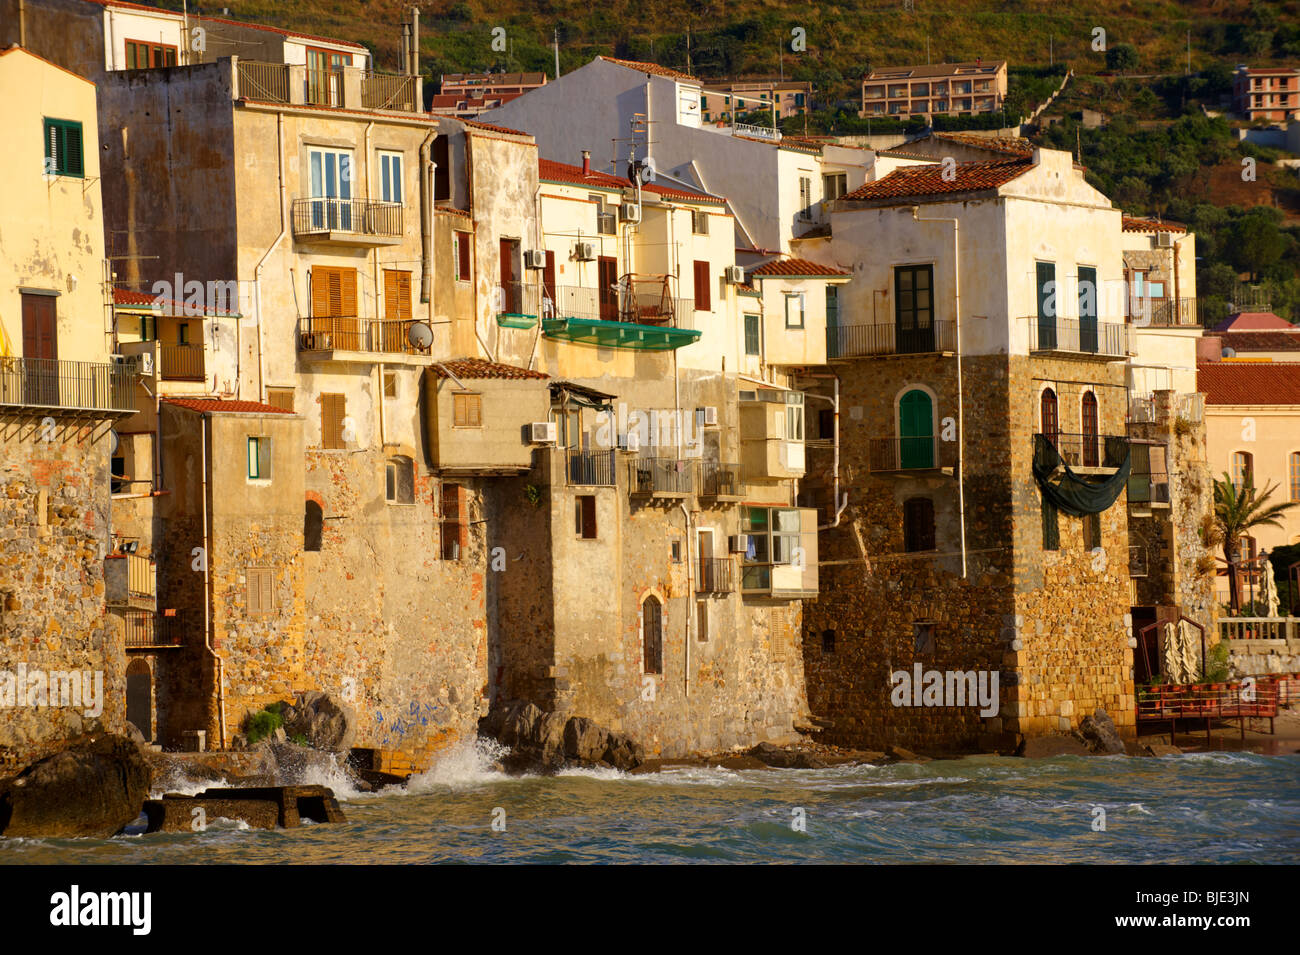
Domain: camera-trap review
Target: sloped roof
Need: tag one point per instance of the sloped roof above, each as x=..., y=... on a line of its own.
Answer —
x=1253, y=321
x=998, y=144
x=1256, y=383
x=220, y=405
x=491, y=128
x=1137, y=224
x=794, y=267
x=929, y=179
x=125, y=298
x=655, y=68
x=480, y=368
x=937, y=69
x=1261, y=341
x=22, y=49
x=549, y=170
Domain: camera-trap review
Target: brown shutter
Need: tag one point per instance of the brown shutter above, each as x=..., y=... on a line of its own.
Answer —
x=463, y=250
x=548, y=275
x=702, y=300
x=333, y=409
x=589, y=516
x=320, y=292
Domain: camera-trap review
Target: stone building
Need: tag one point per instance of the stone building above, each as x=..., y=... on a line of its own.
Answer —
x=62, y=662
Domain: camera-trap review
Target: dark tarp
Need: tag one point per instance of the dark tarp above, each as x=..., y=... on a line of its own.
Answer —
x=1077, y=494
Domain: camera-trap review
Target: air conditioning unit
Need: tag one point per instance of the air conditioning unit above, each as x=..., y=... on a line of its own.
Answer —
x=584, y=251
x=707, y=417
x=542, y=432
x=734, y=274
x=535, y=259
x=146, y=363
x=1164, y=240
x=629, y=212
x=738, y=543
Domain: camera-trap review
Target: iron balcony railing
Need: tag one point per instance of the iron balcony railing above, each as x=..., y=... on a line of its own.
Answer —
x=594, y=468
x=181, y=362
x=519, y=299
x=720, y=480
x=268, y=82
x=388, y=91
x=859, y=341
x=325, y=88
x=146, y=629
x=1084, y=337
x=1087, y=450
x=350, y=333
x=715, y=575
x=357, y=216
x=910, y=454
x=616, y=304
x=648, y=475
x=1163, y=312
x=53, y=384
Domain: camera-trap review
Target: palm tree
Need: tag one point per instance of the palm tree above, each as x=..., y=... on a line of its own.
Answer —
x=1237, y=512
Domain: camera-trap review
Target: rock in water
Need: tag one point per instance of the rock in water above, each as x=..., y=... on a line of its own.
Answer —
x=327, y=725
x=585, y=740
x=1099, y=733
x=92, y=789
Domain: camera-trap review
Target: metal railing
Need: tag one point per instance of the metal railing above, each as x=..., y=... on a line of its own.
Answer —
x=857, y=341
x=910, y=454
x=181, y=362
x=1082, y=337
x=51, y=383
x=139, y=576
x=648, y=475
x=720, y=479
x=325, y=88
x=715, y=575
x=616, y=304
x=264, y=81
x=518, y=298
x=388, y=91
x=357, y=216
x=1150, y=487
x=1259, y=628
x=350, y=333
x=1163, y=312
x=1085, y=450
x=146, y=628
x=757, y=132
x=595, y=468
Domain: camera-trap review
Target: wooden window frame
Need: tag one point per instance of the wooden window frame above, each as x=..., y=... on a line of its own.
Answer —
x=331, y=433
x=914, y=535
x=462, y=265
x=154, y=51
x=259, y=590
x=263, y=460
x=758, y=334
x=702, y=275
x=467, y=410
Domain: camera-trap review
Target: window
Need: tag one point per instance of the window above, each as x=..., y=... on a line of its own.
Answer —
x=330, y=172
x=333, y=409
x=828, y=641
x=1294, y=473
x=701, y=275
x=914, y=308
x=281, y=398
x=794, y=422
x=1155, y=289
x=1243, y=469
x=606, y=223
x=751, y=334
x=794, y=302
x=454, y=522
x=148, y=328
x=467, y=411
x=834, y=185
x=462, y=256
x=832, y=306
x=1091, y=429
x=677, y=552
x=313, y=527
x=390, y=177
x=1091, y=531
x=63, y=155
x=702, y=621
x=397, y=308
x=699, y=222
x=584, y=516
x=390, y=384
x=260, y=584
x=334, y=293
x=1051, y=526
x=145, y=56
x=259, y=459
x=183, y=333
x=918, y=524
x=652, y=635
x=399, y=480
x=923, y=637
x=805, y=198
x=117, y=472
x=1048, y=418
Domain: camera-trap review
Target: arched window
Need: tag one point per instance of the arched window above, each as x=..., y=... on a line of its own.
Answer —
x=652, y=634
x=916, y=430
x=1243, y=469
x=918, y=524
x=313, y=523
x=1048, y=418
x=1091, y=428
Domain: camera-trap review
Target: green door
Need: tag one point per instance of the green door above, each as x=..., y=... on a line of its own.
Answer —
x=916, y=430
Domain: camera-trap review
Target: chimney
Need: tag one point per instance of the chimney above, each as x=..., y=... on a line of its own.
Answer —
x=586, y=162
x=415, y=40
x=406, y=49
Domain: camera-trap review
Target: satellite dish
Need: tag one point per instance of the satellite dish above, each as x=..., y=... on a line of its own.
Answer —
x=112, y=442
x=1230, y=353
x=419, y=335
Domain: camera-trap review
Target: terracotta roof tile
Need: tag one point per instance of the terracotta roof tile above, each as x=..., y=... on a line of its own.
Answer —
x=494, y=129
x=481, y=368
x=792, y=267
x=1262, y=341
x=998, y=144
x=1257, y=383
x=1136, y=224
x=220, y=405
x=127, y=298
x=1253, y=322
x=928, y=179
x=551, y=171
x=655, y=68
x=937, y=69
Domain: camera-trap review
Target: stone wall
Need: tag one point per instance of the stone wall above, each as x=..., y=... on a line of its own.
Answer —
x=54, y=530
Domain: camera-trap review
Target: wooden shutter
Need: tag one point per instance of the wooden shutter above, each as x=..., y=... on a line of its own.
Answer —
x=462, y=250
x=40, y=326
x=702, y=297
x=467, y=411
x=587, y=502
x=397, y=295
x=333, y=409
x=280, y=398
x=261, y=590
x=333, y=291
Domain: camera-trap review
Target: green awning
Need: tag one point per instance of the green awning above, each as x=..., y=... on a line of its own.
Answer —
x=516, y=320
x=591, y=331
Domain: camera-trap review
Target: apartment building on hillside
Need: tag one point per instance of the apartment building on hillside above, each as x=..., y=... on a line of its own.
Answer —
x=942, y=89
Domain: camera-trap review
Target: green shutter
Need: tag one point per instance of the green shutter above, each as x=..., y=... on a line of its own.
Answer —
x=63, y=145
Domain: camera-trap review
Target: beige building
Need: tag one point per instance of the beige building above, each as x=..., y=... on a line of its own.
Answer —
x=951, y=89
x=724, y=101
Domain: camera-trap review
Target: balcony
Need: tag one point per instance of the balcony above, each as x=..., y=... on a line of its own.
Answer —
x=721, y=482
x=518, y=304
x=349, y=338
x=351, y=222
x=129, y=581
x=349, y=86
x=390, y=91
x=1164, y=312
x=659, y=478
x=715, y=575
x=1148, y=481
x=1072, y=338
x=635, y=313
x=865, y=341
x=52, y=386
x=887, y=455
x=147, y=630
x=590, y=468
x=1089, y=451
x=181, y=362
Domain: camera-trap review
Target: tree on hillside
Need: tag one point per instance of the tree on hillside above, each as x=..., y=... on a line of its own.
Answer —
x=1255, y=244
x=1237, y=512
x=1121, y=57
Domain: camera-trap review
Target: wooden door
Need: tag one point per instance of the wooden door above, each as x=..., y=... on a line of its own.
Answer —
x=548, y=284
x=607, y=283
x=1091, y=438
x=916, y=430
x=40, y=350
x=510, y=297
x=334, y=323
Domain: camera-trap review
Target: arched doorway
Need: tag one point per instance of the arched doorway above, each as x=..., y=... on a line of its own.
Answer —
x=139, y=697
x=916, y=430
x=652, y=632
x=1091, y=427
x=1048, y=417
